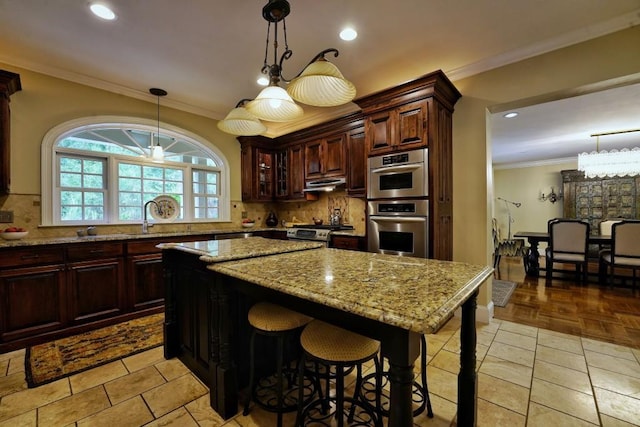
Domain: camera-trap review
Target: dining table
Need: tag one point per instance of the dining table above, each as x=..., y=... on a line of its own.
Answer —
x=534, y=238
x=389, y=298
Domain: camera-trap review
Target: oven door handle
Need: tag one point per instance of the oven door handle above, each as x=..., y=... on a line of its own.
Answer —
x=398, y=219
x=400, y=168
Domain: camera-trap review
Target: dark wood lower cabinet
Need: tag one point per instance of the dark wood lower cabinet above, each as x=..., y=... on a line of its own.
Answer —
x=33, y=301
x=96, y=289
x=146, y=285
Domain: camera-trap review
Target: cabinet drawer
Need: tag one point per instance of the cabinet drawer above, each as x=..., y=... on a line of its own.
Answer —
x=94, y=250
x=30, y=256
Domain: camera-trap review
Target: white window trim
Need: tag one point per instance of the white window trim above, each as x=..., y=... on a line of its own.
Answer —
x=47, y=181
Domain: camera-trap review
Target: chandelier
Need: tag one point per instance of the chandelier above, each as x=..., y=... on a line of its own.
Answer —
x=319, y=84
x=603, y=164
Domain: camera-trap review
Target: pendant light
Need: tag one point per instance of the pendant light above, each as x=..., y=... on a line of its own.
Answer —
x=156, y=151
x=320, y=83
x=241, y=122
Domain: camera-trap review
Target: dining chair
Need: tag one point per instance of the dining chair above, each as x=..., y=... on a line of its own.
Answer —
x=624, y=252
x=568, y=244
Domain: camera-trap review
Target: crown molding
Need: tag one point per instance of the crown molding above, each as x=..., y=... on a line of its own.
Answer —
x=535, y=163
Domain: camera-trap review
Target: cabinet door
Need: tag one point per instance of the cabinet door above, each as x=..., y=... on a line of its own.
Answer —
x=357, y=155
x=313, y=159
x=412, y=125
x=146, y=281
x=32, y=301
x=265, y=174
x=246, y=163
x=281, y=174
x=296, y=171
x=346, y=242
x=379, y=132
x=333, y=158
x=96, y=289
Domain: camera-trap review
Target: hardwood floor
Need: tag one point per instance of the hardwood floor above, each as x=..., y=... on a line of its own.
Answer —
x=590, y=311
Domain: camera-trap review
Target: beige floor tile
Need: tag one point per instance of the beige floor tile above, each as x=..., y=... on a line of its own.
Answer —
x=170, y=396
x=542, y=416
x=130, y=413
x=485, y=337
x=258, y=417
x=614, y=364
x=434, y=344
x=561, y=342
x=200, y=409
x=491, y=415
x=28, y=419
x=171, y=369
x=560, y=375
x=507, y=370
x=26, y=400
x=636, y=353
x=492, y=326
x=571, y=402
x=608, y=348
x=73, y=408
x=511, y=353
x=444, y=411
x=519, y=329
x=97, y=376
x=16, y=364
x=503, y=393
x=615, y=382
x=442, y=383
x=178, y=418
x=618, y=406
x=130, y=385
x=4, y=366
x=562, y=358
x=607, y=421
x=144, y=359
x=12, y=384
x=12, y=355
x=516, y=340
x=446, y=360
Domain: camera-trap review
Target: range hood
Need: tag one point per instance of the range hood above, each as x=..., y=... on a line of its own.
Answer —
x=324, y=184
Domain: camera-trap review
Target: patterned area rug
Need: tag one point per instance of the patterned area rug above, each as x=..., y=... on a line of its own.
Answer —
x=501, y=292
x=51, y=361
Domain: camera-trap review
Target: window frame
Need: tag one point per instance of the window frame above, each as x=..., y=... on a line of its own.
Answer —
x=50, y=200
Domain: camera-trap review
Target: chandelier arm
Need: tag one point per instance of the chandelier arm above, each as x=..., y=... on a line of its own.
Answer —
x=243, y=101
x=315, y=58
x=285, y=56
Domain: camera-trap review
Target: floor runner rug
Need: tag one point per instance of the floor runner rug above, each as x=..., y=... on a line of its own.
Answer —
x=57, y=359
x=501, y=292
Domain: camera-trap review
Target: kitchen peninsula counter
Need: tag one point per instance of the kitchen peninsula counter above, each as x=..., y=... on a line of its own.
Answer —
x=392, y=299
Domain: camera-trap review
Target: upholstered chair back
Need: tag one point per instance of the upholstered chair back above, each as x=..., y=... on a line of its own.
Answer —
x=568, y=236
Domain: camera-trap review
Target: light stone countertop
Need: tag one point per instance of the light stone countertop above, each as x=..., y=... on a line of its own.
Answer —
x=38, y=241
x=411, y=293
x=214, y=251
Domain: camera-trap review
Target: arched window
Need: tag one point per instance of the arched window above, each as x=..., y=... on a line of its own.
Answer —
x=98, y=170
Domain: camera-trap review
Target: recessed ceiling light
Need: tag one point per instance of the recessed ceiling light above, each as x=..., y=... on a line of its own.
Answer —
x=263, y=81
x=102, y=11
x=511, y=115
x=348, y=34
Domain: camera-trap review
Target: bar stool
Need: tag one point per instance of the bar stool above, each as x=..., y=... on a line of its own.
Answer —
x=373, y=388
x=338, y=348
x=273, y=320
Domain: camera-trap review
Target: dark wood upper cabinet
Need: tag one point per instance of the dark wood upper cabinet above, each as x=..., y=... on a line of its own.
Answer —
x=9, y=84
x=357, y=158
x=325, y=157
x=258, y=165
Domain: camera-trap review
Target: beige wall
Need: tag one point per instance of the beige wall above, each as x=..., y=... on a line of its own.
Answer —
x=45, y=102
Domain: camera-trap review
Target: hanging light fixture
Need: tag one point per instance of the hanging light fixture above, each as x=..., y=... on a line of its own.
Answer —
x=602, y=164
x=156, y=151
x=319, y=84
x=241, y=122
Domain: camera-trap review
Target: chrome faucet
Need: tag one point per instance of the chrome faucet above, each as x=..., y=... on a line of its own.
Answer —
x=145, y=223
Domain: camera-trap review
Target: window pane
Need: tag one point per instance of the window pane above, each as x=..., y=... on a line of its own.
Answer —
x=198, y=188
x=152, y=172
x=93, y=199
x=212, y=178
x=212, y=189
x=173, y=188
x=130, y=213
x=173, y=175
x=152, y=186
x=70, y=165
x=93, y=213
x=93, y=167
x=93, y=181
x=212, y=202
x=130, y=184
x=212, y=213
x=129, y=170
x=70, y=180
x=130, y=199
x=71, y=213
x=70, y=198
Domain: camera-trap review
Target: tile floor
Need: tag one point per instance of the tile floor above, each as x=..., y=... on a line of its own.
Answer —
x=526, y=377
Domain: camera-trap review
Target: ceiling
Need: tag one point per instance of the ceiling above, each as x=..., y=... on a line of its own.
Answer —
x=207, y=54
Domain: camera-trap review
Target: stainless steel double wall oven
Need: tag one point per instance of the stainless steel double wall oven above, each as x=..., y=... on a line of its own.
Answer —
x=398, y=205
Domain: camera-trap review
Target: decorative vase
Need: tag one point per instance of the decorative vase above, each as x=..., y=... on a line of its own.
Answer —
x=272, y=219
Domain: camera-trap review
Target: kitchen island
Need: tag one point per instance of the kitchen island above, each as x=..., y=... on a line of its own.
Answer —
x=388, y=298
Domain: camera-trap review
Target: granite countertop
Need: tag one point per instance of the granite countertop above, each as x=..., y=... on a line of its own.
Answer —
x=214, y=251
x=37, y=241
x=411, y=293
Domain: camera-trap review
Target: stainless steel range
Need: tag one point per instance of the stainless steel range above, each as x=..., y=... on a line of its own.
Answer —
x=318, y=233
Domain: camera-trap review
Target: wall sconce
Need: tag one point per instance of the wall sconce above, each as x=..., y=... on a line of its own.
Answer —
x=552, y=196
